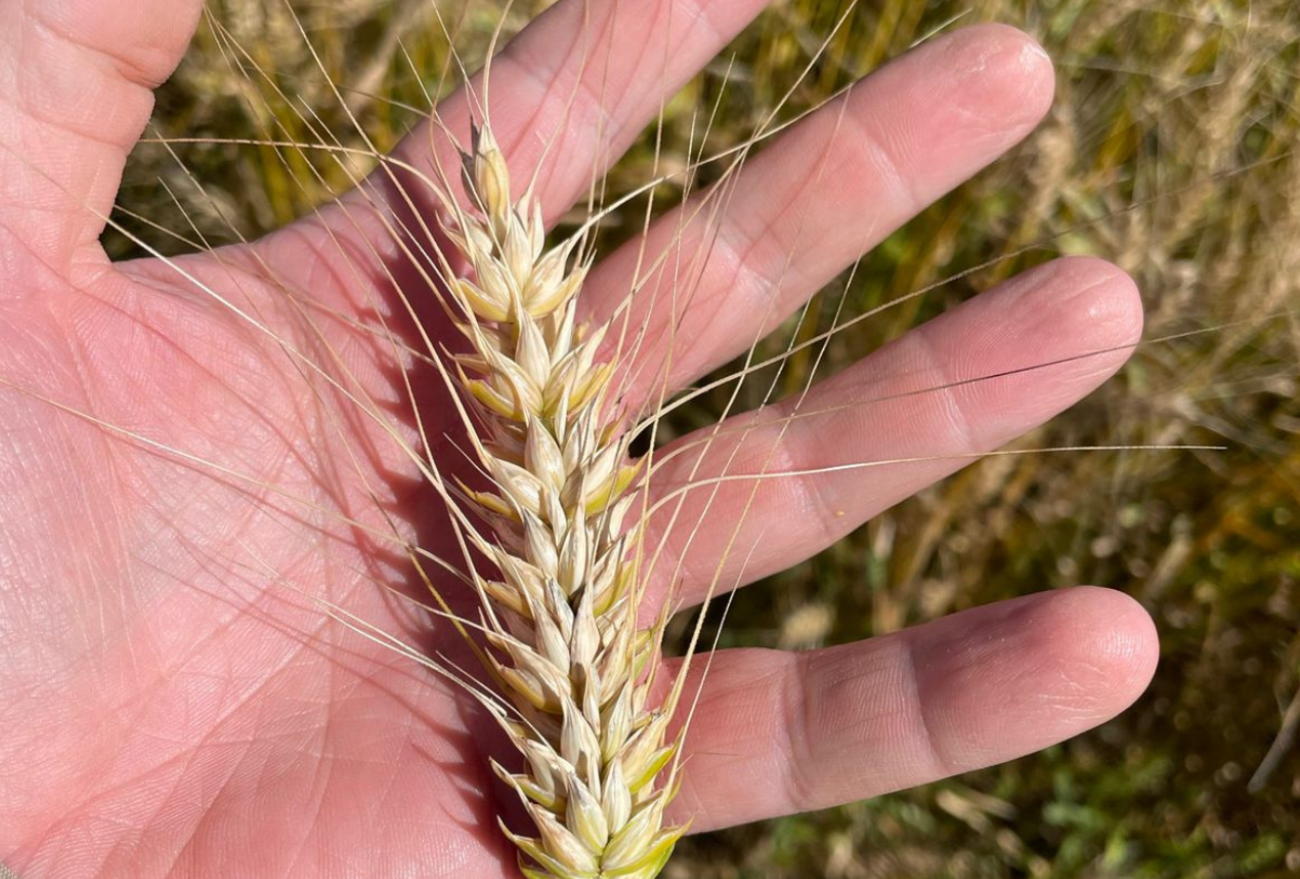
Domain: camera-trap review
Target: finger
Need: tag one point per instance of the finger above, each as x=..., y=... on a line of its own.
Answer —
x=582, y=81
x=777, y=733
x=577, y=86
x=962, y=384
x=79, y=86
x=836, y=185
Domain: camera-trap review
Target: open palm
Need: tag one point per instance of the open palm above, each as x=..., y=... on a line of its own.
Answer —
x=173, y=702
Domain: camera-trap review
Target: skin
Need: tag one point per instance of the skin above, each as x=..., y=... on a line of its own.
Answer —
x=174, y=704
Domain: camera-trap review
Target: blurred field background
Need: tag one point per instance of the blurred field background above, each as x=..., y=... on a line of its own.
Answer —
x=1171, y=151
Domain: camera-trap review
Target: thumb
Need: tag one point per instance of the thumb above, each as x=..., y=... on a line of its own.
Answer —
x=76, y=81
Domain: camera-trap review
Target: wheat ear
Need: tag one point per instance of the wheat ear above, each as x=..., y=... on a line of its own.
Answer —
x=561, y=622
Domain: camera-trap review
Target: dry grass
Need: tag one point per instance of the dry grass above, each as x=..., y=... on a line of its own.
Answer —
x=1171, y=151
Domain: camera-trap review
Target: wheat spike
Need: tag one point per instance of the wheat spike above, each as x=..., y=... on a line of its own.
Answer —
x=561, y=621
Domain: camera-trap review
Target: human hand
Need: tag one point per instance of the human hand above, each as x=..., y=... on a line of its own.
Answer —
x=171, y=708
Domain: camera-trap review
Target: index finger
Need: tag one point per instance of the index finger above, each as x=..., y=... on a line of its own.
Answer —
x=575, y=87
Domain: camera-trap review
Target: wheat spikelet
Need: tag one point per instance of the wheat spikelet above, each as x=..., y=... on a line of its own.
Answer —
x=562, y=618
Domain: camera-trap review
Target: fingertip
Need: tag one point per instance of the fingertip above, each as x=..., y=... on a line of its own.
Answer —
x=1115, y=641
x=1087, y=653
x=1064, y=327
x=1106, y=303
x=1006, y=75
x=1024, y=674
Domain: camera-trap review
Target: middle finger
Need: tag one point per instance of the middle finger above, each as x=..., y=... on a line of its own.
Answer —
x=840, y=182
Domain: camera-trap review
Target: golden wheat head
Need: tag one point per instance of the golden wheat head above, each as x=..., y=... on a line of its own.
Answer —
x=561, y=621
